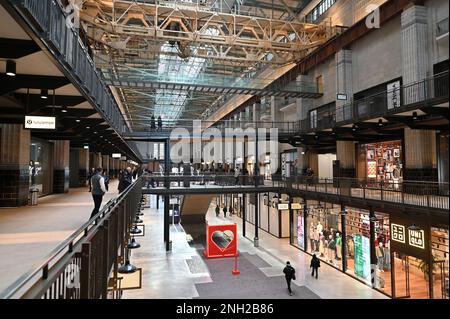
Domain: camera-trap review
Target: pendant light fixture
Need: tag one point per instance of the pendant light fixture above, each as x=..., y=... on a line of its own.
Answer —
x=44, y=94
x=10, y=68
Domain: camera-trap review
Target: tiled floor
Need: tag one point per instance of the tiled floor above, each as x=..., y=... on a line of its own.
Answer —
x=30, y=233
x=172, y=274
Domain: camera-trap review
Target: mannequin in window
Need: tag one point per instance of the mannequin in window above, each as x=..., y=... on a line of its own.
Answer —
x=312, y=231
x=387, y=256
x=350, y=246
x=331, y=248
x=316, y=241
x=338, y=246
x=322, y=244
x=379, y=252
x=319, y=228
x=32, y=169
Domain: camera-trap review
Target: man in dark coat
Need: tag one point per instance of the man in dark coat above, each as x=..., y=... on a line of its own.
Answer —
x=289, y=273
x=126, y=180
x=315, y=264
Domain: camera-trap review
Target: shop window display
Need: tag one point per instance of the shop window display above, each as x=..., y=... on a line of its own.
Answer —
x=384, y=162
x=383, y=253
x=440, y=250
x=358, y=244
x=299, y=229
x=324, y=233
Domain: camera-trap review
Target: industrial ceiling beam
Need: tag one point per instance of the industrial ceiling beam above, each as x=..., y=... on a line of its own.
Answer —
x=16, y=49
x=23, y=81
x=199, y=30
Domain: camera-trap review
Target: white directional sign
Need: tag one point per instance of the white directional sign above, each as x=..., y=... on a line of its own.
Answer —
x=40, y=122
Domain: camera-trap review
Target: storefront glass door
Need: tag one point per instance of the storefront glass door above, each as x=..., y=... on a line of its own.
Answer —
x=411, y=277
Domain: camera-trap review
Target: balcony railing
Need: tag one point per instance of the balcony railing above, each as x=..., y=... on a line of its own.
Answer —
x=442, y=28
x=432, y=195
x=81, y=266
x=418, y=94
x=65, y=44
x=430, y=91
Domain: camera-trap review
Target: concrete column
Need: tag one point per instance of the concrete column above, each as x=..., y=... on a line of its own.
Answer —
x=105, y=163
x=420, y=155
x=14, y=162
x=84, y=166
x=414, y=37
x=112, y=168
x=256, y=112
x=78, y=167
x=61, y=151
x=312, y=160
x=344, y=82
x=304, y=105
x=275, y=106
x=346, y=155
x=242, y=118
x=99, y=159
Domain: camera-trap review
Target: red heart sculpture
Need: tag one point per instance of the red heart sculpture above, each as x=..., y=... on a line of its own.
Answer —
x=222, y=239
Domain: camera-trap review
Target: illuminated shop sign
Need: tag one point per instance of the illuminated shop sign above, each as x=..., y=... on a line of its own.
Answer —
x=283, y=206
x=296, y=206
x=398, y=233
x=116, y=155
x=40, y=122
x=342, y=97
x=417, y=238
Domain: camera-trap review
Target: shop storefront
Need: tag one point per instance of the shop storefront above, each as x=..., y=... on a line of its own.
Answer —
x=324, y=232
x=382, y=162
x=298, y=224
x=273, y=213
x=392, y=254
x=41, y=166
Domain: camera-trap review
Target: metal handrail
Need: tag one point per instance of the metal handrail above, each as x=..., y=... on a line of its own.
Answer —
x=400, y=192
x=67, y=244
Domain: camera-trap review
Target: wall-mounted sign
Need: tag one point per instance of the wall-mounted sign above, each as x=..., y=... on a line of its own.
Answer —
x=283, y=206
x=173, y=201
x=398, y=233
x=342, y=97
x=296, y=206
x=40, y=122
x=116, y=155
x=123, y=158
x=417, y=238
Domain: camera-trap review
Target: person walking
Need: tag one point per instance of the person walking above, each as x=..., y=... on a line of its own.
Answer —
x=126, y=180
x=289, y=273
x=217, y=210
x=159, y=123
x=315, y=264
x=225, y=211
x=91, y=173
x=153, y=123
x=98, y=190
x=106, y=177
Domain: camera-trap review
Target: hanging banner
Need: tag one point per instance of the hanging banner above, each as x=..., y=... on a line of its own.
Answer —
x=300, y=231
x=362, y=256
x=393, y=95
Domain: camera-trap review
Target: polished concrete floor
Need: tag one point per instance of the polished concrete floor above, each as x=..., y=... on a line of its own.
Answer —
x=28, y=234
x=184, y=273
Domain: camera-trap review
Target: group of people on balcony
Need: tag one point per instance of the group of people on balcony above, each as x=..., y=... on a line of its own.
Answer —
x=154, y=122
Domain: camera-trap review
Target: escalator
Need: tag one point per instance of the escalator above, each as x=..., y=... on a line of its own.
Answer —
x=193, y=215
